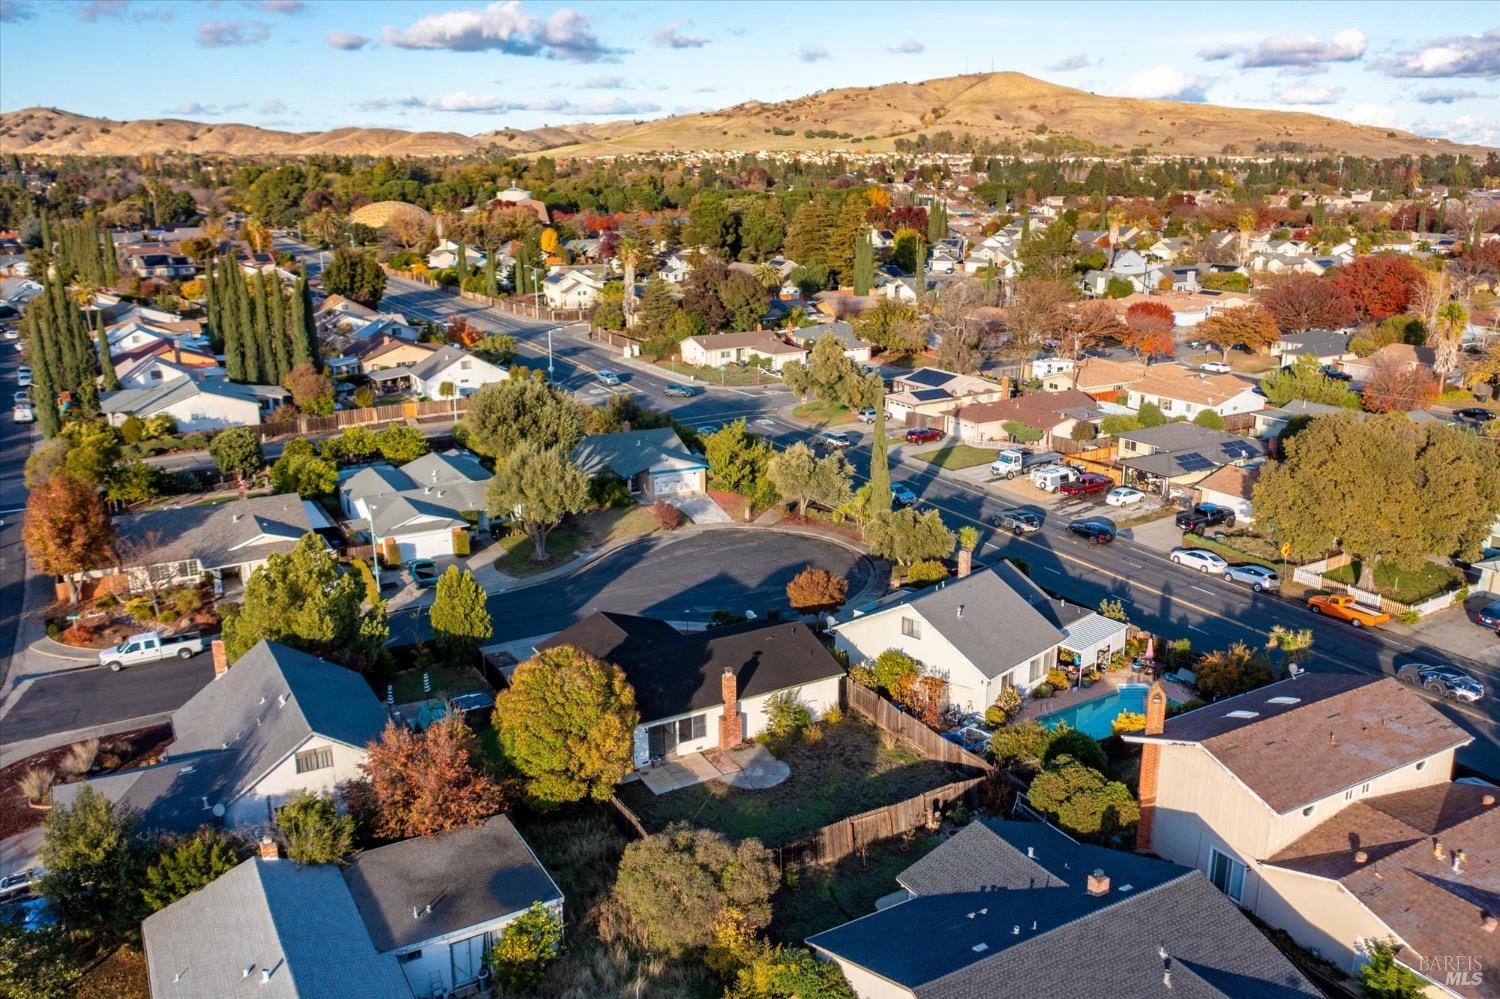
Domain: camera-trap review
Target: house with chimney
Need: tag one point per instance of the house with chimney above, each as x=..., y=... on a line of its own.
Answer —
x=413, y=918
x=1325, y=805
x=1100, y=378
x=706, y=690
x=927, y=396
x=1020, y=909
x=1055, y=414
x=276, y=722
x=1178, y=391
x=986, y=631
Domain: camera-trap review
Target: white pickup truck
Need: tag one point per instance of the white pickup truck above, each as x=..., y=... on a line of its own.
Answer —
x=149, y=646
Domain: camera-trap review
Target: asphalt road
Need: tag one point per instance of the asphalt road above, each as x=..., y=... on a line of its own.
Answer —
x=93, y=696
x=15, y=445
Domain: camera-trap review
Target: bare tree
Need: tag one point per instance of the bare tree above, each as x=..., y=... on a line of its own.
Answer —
x=1038, y=313
x=958, y=319
x=137, y=557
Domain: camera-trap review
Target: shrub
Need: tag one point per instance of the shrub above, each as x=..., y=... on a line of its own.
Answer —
x=1082, y=800
x=667, y=515
x=833, y=715
x=816, y=589
x=1069, y=742
x=1057, y=679
x=36, y=785
x=1129, y=721
x=80, y=757
x=864, y=676
x=315, y=831
x=993, y=716
x=926, y=572
x=525, y=948
x=786, y=713
x=1042, y=691
x=1009, y=701
x=186, y=865
x=891, y=666
x=924, y=696
x=1231, y=671
x=1112, y=608
x=1024, y=742
x=608, y=493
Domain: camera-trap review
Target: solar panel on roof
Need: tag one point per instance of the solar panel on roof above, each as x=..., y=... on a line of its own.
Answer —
x=928, y=377
x=929, y=395
x=1192, y=461
x=1240, y=449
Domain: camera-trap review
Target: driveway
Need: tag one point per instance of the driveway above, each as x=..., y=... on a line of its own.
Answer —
x=699, y=509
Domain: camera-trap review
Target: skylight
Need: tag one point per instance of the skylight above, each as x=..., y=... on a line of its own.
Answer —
x=1284, y=699
x=1241, y=713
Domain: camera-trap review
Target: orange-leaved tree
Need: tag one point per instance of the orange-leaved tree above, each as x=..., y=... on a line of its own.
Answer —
x=424, y=783
x=66, y=529
x=1148, y=328
x=1251, y=326
x=816, y=589
x=1397, y=387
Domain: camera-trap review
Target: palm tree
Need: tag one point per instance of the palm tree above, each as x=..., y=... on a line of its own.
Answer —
x=629, y=254
x=768, y=275
x=256, y=234
x=324, y=225
x=1246, y=225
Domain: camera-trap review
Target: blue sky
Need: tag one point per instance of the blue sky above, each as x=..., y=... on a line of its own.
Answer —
x=313, y=64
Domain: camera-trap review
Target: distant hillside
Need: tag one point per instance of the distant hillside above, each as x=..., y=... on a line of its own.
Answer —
x=992, y=106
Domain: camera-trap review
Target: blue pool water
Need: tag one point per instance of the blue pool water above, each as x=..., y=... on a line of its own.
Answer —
x=1096, y=717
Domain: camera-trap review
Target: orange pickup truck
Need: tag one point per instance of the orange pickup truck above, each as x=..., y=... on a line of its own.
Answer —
x=1343, y=607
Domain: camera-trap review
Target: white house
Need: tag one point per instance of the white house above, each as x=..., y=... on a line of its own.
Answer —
x=983, y=633
x=710, y=689
x=715, y=350
x=452, y=371
x=196, y=405
x=420, y=509
x=1178, y=391
x=573, y=287
x=276, y=722
x=414, y=918
x=655, y=464
x=446, y=256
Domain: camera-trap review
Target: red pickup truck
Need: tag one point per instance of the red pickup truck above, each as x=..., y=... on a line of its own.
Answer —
x=1088, y=482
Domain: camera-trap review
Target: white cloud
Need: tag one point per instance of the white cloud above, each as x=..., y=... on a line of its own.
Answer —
x=1166, y=83
x=347, y=40
x=227, y=34
x=1465, y=56
x=605, y=83
x=1379, y=115
x=1072, y=62
x=812, y=53
x=273, y=106
x=280, y=6
x=466, y=103
x=908, y=47
x=1466, y=128
x=1306, y=94
x=504, y=27
x=1441, y=95
x=1303, y=50
x=13, y=11
x=195, y=109
x=675, y=36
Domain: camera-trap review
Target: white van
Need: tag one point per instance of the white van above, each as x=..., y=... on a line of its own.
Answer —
x=1053, y=476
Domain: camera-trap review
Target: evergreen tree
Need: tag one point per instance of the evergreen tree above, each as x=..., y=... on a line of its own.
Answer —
x=937, y=222
x=809, y=235
x=309, y=328
x=43, y=371
x=244, y=320
x=106, y=363
x=265, y=346
x=279, y=338
x=296, y=324
x=460, y=617
x=864, y=266
x=919, y=276
x=880, y=463
x=848, y=230
x=462, y=254
x=490, y=287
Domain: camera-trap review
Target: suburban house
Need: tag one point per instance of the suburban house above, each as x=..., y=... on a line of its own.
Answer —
x=414, y=918
x=715, y=350
x=151, y=368
x=926, y=396
x=196, y=405
x=1018, y=908
x=1374, y=842
x=1402, y=355
x=445, y=256
x=1327, y=347
x=1182, y=454
x=342, y=323
x=1177, y=391
x=855, y=349
x=381, y=352
x=574, y=287
x=706, y=690
x=1099, y=378
x=983, y=633
x=176, y=546
x=451, y=372
x=1231, y=486
x=276, y=722
x=156, y=260
x=653, y=463
x=1055, y=414
x=422, y=509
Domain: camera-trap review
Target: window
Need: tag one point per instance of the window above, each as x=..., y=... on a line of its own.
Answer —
x=1307, y=812
x=1349, y=794
x=695, y=727
x=411, y=955
x=1421, y=764
x=465, y=365
x=1035, y=672
x=911, y=627
x=1365, y=789
x=1227, y=874
x=315, y=759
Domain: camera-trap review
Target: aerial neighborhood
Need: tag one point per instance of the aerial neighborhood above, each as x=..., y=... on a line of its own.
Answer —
x=919, y=541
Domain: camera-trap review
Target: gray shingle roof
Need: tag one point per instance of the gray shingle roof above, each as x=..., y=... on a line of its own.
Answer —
x=298, y=922
x=1002, y=908
x=144, y=401
x=220, y=535
x=631, y=452
x=469, y=876
x=441, y=485
x=235, y=729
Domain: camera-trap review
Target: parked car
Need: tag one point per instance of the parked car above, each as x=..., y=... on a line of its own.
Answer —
x=1092, y=530
x=23, y=376
x=1124, y=496
x=608, y=377
x=423, y=571
x=867, y=416
x=23, y=414
x=1017, y=521
x=11, y=333
x=23, y=397
x=1488, y=616
x=1051, y=478
x=150, y=646
x=708, y=428
x=1257, y=577
x=1474, y=416
x=1217, y=367
x=1443, y=680
x=676, y=391
x=901, y=495
x=1203, y=516
x=21, y=884
x=1013, y=461
x=1086, y=484
x=835, y=439
x=923, y=435
x=1201, y=559
x=1346, y=608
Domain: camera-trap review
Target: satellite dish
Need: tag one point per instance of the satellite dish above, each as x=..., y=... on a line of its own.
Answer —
x=218, y=811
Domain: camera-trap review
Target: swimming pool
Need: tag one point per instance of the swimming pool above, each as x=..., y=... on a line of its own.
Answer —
x=1097, y=717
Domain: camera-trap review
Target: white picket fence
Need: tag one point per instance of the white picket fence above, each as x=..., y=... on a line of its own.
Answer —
x=1311, y=575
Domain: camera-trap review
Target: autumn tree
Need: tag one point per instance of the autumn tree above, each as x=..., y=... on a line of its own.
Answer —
x=815, y=589
x=800, y=475
x=1301, y=302
x=312, y=391
x=1381, y=488
x=460, y=616
x=1395, y=386
x=1148, y=329
x=1249, y=326
x=1086, y=325
x=539, y=487
x=567, y=724
x=66, y=530
x=1378, y=285
x=424, y=783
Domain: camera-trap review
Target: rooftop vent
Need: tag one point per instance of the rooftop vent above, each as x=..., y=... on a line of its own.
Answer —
x=1242, y=713
x=265, y=975
x=981, y=947
x=1284, y=699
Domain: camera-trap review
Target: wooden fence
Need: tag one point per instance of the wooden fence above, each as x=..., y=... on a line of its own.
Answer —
x=399, y=412
x=838, y=840
x=889, y=718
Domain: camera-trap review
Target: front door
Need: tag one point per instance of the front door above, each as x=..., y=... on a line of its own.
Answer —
x=1226, y=873
x=661, y=740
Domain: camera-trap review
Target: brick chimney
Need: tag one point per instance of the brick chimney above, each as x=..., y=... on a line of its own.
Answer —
x=1156, y=722
x=965, y=562
x=1098, y=882
x=731, y=726
x=269, y=850
x=221, y=659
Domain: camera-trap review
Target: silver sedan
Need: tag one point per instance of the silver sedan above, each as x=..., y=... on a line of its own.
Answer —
x=1257, y=577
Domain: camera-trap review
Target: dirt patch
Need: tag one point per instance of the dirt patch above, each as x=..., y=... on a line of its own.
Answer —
x=819, y=521
x=117, y=752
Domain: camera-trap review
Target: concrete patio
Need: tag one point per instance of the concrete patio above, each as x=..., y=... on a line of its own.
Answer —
x=751, y=768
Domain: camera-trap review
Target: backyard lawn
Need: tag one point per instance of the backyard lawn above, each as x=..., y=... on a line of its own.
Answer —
x=445, y=680
x=832, y=894
x=824, y=413
x=956, y=456
x=590, y=530
x=847, y=772
x=1400, y=585
x=732, y=375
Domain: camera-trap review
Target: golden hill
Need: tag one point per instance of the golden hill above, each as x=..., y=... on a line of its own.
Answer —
x=995, y=106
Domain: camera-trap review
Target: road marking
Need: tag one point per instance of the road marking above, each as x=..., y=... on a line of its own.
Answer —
x=1202, y=590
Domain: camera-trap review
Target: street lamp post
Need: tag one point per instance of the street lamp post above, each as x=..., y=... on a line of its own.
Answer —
x=549, y=355
x=374, y=548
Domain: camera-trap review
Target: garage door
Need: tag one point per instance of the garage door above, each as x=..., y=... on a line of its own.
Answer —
x=675, y=483
x=429, y=545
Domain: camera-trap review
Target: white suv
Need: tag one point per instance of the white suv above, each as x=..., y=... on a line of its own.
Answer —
x=1199, y=558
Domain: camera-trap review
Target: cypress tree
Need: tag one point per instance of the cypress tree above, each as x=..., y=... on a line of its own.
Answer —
x=277, y=296
x=264, y=347
x=43, y=385
x=309, y=326
x=880, y=463
x=920, y=277
x=228, y=323
x=463, y=263
x=864, y=266
x=246, y=323
x=490, y=288
x=46, y=233
x=106, y=363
